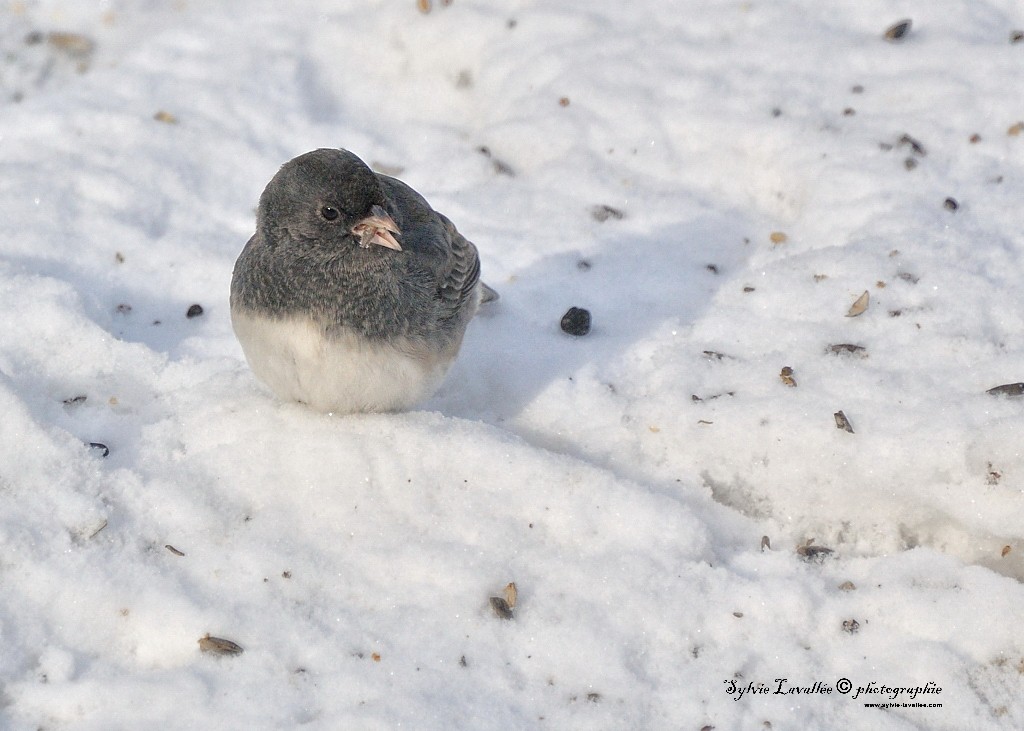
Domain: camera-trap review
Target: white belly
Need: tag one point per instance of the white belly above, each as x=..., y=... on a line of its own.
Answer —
x=344, y=373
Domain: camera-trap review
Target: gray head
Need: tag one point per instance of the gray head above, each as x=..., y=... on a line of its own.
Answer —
x=327, y=198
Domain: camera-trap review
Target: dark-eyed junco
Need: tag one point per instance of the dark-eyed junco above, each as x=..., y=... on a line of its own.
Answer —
x=353, y=294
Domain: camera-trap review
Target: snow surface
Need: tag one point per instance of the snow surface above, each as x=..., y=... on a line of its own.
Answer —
x=624, y=479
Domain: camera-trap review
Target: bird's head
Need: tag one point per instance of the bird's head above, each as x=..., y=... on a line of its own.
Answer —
x=329, y=197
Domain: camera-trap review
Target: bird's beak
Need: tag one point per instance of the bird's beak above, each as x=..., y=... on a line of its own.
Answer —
x=377, y=228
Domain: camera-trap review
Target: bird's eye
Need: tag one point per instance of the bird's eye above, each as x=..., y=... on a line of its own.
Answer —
x=329, y=213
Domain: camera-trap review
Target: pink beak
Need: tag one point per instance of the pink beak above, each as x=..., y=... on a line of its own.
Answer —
x=377, y=228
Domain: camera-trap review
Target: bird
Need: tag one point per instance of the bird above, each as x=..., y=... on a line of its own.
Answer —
x=353, y=294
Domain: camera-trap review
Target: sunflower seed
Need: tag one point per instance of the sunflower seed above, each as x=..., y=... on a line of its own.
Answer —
x=860, y=305
x=219, y=646
x=1008, y=389
x=897, y=31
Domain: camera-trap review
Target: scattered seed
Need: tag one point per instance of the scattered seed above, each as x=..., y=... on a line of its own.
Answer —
x=851, y=625
x=786, y=374
x=119, y=257
x=910, y=163
x=103, y=448
x=738, y=615
x=857, y=89
x=375, y=656
x=503, y=168
x=715, y=355
x=286, y=574
x=96, y=531
x=842, y=422
x=173, y=550
x=915, y=146
x=165, y=117
x=950, y=204
x=1016, y=129
x=511, y=594
x=849, y=112
x=194, y=311
x=75, y=400
x=501, y=608
x=423, y=5
x=766, y=543
x=1006, y=550
x=464, y=80
x=1008, y=389
x=860, y=306
x=975, y=138
x=123, y=309
x=847, y=349
x=500, y=166
x=713, y=268
x=748, y=289
x=603, y=212
x=820, y=277
x=73, y=44
x=584, y=265
x=576, y=321
x=219, y=646
x=1016, y=36
x=908, y=277
x=564, y=101
x=712, y=397
x=993, y=477
x=778, y=237
x=809, y=551
x=897, y=31
x=847, y=586
x=462, y=661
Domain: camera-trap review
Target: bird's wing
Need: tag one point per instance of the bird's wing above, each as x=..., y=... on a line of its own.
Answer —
x=459, y=282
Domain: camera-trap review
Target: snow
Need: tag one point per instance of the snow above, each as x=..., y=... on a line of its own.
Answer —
x=624, y=479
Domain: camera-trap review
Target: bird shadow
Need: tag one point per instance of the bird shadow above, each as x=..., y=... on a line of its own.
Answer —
x=630, y=283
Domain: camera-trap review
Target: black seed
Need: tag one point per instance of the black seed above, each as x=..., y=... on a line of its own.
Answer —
x=103, y=448
x=576, y=321
x=950, y=204
x=897, y=31
x=194, y=311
